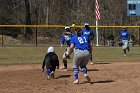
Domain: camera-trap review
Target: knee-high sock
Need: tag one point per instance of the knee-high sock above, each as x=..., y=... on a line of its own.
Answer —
x=65, y=63
x=76, y=70
x=84, y=70
x=128, y=49
x=48, y=71
x=124, y=51
x=90, y=56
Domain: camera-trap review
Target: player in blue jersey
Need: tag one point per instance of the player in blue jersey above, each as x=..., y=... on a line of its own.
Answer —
x=66, y=37
x=89, y=34
x=81, y=47
x=124, y=36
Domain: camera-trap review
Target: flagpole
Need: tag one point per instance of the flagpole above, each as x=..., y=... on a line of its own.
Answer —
x=97, y=38
x=97, y=18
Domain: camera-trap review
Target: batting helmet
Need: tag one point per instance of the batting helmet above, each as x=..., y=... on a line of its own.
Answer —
x=50, y=49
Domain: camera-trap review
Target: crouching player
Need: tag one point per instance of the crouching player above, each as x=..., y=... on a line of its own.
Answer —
x=51, y=61
x=81, y=55
x=66, y=37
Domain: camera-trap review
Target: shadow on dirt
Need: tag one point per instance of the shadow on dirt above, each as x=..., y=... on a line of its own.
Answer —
x=93, y=82
x=105, y=81
x=92, y=70
x=102, y=63
x=87, y=70
x=63, y=76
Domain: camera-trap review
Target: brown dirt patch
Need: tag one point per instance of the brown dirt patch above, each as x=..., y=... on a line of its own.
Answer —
x=118, y=77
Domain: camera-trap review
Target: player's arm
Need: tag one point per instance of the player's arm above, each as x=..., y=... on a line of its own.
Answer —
x=91, y=35
x=120, y=35
x=43, y=64
x=72, y=42
x=57, y=62
x=62, y=41
x=62, y=45
x=71, y=49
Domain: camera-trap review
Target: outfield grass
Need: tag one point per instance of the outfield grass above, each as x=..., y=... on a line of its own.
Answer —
x=109, y=54
x=24, y=55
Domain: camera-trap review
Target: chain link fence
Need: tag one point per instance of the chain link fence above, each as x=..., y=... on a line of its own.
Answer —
x=43, y=36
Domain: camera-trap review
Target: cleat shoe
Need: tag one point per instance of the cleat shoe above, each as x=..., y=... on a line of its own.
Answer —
x=52, y=75
x=64, y=68
x=48, y=77
x=124, y=54
x=88, y=79
x=91, y=63
x=76, y=82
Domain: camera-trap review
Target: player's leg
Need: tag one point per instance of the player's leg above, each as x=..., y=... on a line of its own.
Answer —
x=48, y=71
x=48, y=65
x=124, y=50
x=127, y=46
x=76, y=61
x=84, y=70
x=76, y=71
x=83, y=64
x=124, y=46
x=52, y=68
x=65, y=59
x=65, y=63
x=91, y=58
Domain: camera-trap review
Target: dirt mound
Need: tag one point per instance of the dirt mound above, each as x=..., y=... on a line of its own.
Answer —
x=9, y=40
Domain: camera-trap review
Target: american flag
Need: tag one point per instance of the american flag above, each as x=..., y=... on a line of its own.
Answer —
x=97, y=10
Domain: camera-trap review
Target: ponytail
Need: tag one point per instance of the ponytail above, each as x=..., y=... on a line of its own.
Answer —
x=78, y=32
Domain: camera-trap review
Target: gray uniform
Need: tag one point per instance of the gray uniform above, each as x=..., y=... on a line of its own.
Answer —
x=125, y=44
x=80, y=58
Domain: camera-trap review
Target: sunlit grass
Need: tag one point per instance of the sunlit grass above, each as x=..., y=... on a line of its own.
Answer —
x=25, y=55
x=115, y=54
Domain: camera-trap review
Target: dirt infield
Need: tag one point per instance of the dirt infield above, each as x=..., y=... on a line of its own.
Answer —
x=117, y=77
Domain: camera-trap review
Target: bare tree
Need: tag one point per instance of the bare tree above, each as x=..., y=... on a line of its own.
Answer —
x=28, y=31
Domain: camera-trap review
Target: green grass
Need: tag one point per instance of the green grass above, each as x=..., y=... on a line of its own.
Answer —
x=25, y=55
x=109, y=54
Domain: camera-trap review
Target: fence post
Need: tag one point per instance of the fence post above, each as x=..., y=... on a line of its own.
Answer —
x=139, y=36
x=36, y=35
x=2, y=38
x=104, y=37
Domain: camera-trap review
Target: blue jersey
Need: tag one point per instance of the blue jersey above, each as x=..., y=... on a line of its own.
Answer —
x=87, y=33
x=66, y=38
x=80, y=43
x=124, y=35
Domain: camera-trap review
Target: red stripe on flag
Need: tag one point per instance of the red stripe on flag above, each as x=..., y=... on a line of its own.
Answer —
x=97, y=10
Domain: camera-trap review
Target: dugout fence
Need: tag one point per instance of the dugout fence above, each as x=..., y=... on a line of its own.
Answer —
x=43, y=35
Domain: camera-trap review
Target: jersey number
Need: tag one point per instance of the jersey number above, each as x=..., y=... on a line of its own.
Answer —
x=82, y=40
x=67, y=38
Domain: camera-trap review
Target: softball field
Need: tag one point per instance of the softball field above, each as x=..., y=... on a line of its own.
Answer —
x=20, y=72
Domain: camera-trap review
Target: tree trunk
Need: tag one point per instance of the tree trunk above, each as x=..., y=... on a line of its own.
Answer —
x=28, y=32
